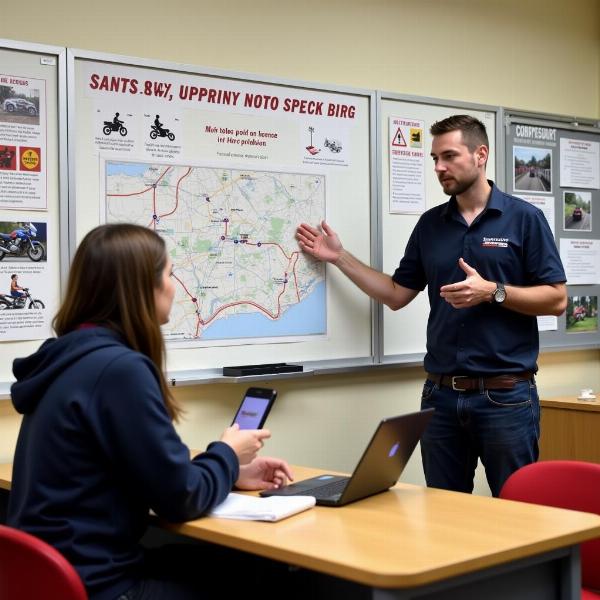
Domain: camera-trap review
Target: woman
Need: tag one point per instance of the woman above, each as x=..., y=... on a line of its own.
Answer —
x=97, y=448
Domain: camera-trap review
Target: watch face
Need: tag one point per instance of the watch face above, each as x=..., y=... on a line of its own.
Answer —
x=500, y=294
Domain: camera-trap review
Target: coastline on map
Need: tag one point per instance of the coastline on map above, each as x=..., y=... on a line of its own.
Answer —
x=302, y=319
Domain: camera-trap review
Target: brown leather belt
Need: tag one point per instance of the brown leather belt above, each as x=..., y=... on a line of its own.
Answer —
x=465, y=383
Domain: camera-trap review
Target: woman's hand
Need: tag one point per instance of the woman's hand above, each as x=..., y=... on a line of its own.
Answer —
x=245, y=442
x=264, y=472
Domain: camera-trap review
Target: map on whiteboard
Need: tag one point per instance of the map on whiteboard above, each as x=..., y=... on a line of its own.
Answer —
x=238, y=270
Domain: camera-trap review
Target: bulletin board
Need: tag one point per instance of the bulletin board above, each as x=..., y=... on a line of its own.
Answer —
x=554, y=163
x=225, y=166
x=33, y=196
x=408, y=187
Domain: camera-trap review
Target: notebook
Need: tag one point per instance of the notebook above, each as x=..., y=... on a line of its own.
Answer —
x=379, y=468
x=250, y=508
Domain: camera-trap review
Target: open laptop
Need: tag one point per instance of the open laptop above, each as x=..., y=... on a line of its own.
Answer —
x=379, y=468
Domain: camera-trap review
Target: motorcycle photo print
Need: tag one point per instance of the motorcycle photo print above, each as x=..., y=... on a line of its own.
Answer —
x=19, y=297
x=25, y=313
x=22, y=241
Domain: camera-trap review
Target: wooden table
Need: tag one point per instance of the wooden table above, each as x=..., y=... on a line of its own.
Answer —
x=415, y=542
x=570, y=429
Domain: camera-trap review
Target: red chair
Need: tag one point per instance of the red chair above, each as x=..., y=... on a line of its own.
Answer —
x=30, y=569
x=565, y=484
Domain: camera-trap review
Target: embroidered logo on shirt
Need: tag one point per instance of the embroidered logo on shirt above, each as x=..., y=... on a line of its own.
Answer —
x=489, y=242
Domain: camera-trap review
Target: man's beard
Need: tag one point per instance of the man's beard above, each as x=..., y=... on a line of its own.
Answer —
x=452, y=187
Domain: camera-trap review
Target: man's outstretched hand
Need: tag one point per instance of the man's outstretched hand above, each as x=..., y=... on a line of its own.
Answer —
x=323, y=244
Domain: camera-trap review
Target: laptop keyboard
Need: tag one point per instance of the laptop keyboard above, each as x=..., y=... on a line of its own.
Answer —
x=329, y=490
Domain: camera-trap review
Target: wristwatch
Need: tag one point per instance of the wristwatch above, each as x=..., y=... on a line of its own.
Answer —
x=499, y=294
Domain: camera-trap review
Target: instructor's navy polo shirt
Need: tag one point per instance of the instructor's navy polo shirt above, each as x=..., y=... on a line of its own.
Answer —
x=509, y=242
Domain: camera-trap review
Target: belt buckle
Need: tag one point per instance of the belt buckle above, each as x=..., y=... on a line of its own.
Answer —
x=454, y=378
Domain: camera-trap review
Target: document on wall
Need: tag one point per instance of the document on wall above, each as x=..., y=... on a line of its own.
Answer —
x=547, y=323
x=22, y=143
x=29, y=293
x=545, y=204
x=579, y=163
x=407, y=165
x=581, y=259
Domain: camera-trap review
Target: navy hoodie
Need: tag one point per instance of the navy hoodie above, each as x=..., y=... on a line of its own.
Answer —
x=97, y=450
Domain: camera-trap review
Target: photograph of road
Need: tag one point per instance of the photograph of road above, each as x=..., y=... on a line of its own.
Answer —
x=577, y=210
x=533, y=169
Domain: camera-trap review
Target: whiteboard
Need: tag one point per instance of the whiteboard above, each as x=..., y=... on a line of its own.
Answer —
x=235, y=135
x=33, y=189
x=402, y=336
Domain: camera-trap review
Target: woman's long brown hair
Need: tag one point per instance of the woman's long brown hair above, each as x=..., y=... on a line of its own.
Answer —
x=112, y=279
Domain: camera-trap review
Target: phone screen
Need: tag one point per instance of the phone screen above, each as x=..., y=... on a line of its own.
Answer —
x=251, y=412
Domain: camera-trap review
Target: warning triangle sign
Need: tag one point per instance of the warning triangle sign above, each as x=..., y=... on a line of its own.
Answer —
x=399, y=139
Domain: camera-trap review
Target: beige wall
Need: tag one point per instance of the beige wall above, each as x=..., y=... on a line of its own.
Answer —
x=526, y=54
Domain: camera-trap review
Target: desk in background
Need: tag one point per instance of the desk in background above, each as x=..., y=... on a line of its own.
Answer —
x=570, y=429
x=416, y=542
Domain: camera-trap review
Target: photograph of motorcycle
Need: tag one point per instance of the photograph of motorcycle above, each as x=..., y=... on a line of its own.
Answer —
x=158, y=130
x=19, y=297
x=21, y=242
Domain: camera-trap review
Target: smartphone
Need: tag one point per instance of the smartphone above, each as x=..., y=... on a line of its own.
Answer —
x=255, y=407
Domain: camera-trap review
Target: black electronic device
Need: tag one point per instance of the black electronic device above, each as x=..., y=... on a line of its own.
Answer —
x=378, y=469
x=255, y=407
x=267, y=369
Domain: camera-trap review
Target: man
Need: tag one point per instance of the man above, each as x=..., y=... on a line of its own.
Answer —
x=491, y=265
x=16, y=291
x=117, y=122
x=158, y=125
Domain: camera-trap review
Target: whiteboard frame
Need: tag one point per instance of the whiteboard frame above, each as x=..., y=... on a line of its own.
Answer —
x=191, y=377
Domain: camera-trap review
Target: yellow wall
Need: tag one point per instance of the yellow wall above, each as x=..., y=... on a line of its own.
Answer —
x=525, y=54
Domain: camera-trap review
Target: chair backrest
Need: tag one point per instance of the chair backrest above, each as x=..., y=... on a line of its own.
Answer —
x=564, y=484
x=31, y=569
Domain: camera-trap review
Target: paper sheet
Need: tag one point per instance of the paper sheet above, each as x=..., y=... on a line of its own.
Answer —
x=252, y=508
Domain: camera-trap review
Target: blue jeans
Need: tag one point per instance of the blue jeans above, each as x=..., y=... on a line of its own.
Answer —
x=500, y=426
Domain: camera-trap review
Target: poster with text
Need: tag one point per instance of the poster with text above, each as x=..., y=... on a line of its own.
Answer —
x=407, y=165
x=28, y=293
x=22, y=143
x=579, y=163
x=225, y=170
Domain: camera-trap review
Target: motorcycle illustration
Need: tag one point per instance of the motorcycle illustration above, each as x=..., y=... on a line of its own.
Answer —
x=109, y=126
x=20, y=242
x=333, y=145
x=10, y=303
x=156, y=132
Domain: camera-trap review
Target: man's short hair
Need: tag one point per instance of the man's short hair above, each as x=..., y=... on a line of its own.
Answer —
x=473, y=130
